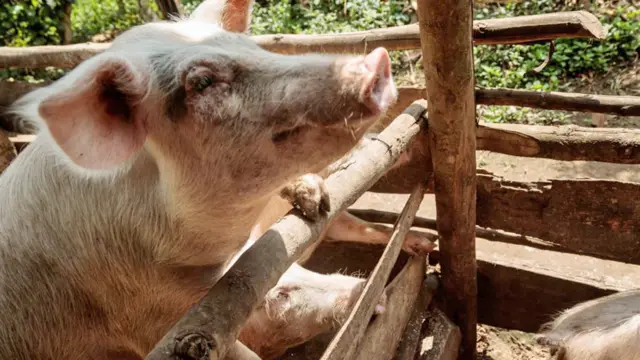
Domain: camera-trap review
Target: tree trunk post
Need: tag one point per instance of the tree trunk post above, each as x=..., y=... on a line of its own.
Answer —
x=447, y=52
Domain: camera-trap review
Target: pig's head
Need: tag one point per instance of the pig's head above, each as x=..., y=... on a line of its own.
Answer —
x=301, y=306
x=219, y=115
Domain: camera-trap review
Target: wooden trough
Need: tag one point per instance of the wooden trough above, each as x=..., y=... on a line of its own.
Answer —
x=443, y=140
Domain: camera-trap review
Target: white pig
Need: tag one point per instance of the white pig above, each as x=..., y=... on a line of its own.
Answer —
x=151, y=165
x=606, y=328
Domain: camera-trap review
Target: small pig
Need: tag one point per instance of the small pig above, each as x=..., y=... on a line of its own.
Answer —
x=302, y=305
x=151, y=165
x=607, y=328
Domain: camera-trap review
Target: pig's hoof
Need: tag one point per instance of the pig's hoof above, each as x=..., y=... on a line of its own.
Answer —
x=419, y=243
x=309, y=195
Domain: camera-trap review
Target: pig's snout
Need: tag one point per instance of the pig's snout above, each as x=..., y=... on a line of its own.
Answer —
x=378, y=91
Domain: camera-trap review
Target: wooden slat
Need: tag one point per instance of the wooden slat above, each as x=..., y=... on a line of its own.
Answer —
x=594, y=217
x=384, y=333
x=345, y=345
x=597, y=217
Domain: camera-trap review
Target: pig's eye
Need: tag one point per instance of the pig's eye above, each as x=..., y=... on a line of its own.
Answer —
x=203, y=83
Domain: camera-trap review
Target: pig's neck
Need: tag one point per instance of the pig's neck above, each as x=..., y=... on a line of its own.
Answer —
x=121, y=211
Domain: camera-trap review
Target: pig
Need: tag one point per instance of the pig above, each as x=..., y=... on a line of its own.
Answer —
x=305, y=304
x=607, y=328
x=152, y=162
x=301, y=306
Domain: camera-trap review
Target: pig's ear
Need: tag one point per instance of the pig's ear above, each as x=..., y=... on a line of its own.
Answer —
x=93, y=120
x=232, y=15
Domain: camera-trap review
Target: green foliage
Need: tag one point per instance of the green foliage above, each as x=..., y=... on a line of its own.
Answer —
x=322, y=16
x=30, y=22
x=91, y=17
x=512, y=65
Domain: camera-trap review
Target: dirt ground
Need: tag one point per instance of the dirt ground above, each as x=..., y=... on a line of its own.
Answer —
x=500, y=344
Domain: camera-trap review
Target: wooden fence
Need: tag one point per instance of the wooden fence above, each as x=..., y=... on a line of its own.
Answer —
x=470, y=202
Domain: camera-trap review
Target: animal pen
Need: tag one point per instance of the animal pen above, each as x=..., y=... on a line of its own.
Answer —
x=442, y=141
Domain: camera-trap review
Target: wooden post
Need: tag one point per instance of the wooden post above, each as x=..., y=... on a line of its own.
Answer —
x=447, y=52
x=169, y=8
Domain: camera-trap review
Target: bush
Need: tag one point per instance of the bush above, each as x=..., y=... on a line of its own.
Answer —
x=30, y=23
x=511, y=65
x=321, y=16
x=92, y=17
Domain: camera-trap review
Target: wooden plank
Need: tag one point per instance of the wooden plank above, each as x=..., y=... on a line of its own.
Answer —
x=523, y=29
x=345, y=345
x=379, y=216
x=606, y=104
x=410, y=341
x=566, y=143
x=442, y=338
x=598, y=218
x=447, y=53
x=384, y=333
x=521, y=288
x=258, y=269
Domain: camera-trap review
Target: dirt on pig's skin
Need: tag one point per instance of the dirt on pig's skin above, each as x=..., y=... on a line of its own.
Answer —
x=502, y=344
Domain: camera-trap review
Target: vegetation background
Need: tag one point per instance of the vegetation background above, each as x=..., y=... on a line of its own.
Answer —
x=605, y=67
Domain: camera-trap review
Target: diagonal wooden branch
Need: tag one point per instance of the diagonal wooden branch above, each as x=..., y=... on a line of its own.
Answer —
x=521, y=29
x=211, y=327
x=346, y=342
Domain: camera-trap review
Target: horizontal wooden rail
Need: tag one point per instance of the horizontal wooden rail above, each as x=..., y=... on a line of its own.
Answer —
x=599, y=218
x=258, y=269
x=522, y=29
x=604, y=104
x=567, y=143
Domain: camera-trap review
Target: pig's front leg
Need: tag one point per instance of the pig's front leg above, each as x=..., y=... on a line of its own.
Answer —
x=349, y=228
x=309, y=195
